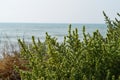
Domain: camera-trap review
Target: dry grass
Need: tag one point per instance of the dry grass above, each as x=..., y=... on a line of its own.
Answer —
x=7, y=66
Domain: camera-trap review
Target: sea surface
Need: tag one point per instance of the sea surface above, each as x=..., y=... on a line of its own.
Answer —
x=11, y=32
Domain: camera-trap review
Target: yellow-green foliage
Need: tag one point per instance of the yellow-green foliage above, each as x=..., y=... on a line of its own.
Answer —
x=94, y=58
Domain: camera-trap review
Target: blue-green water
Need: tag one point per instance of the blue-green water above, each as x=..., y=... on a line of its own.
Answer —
x=25, y=30
x=12, y=31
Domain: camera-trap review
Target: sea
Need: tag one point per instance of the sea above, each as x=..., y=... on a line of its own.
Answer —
x=11, y=32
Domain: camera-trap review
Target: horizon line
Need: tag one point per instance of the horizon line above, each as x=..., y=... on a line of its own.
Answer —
x=50, y=23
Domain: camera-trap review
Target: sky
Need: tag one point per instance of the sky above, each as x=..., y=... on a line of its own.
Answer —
x=57, y=11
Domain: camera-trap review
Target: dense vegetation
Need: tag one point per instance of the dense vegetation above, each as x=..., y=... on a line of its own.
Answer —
x=93, y=58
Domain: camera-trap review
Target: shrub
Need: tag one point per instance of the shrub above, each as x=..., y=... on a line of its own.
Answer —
x=94, y=58
x=7, y=66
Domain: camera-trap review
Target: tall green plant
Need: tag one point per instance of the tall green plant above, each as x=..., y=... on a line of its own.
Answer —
x=94, y=58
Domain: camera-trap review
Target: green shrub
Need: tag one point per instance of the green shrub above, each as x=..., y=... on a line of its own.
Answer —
x=94, y=58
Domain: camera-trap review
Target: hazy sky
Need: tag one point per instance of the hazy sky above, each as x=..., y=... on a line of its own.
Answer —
x=57, y=11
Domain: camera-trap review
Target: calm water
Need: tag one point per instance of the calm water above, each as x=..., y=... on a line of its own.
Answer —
x=12, y=31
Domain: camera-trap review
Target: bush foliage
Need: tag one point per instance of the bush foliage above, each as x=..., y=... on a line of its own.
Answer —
x=94, y=58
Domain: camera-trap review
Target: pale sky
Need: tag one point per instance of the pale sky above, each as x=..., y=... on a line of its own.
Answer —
x=57, y=11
